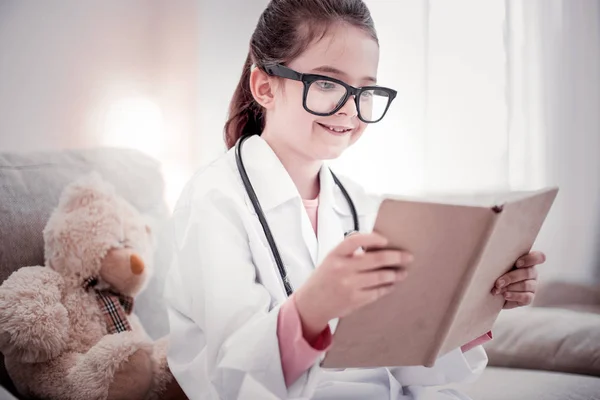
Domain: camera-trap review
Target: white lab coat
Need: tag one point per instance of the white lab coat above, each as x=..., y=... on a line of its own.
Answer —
x=224, y=290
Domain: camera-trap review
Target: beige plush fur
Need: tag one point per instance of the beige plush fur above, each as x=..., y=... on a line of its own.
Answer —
x=52, y=332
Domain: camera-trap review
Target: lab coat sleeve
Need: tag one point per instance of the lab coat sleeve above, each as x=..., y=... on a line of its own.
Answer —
x=220, y=302
x=453, y=367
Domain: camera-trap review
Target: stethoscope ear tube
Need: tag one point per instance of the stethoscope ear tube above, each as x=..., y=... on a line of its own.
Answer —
x=263, y=221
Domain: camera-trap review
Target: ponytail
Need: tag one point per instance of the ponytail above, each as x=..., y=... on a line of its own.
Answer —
x=245, y=114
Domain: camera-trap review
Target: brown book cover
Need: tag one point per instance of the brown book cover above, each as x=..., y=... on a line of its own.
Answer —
x=461, y=248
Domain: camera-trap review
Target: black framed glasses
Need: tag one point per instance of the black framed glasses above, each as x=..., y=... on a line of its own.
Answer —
x=324, y=96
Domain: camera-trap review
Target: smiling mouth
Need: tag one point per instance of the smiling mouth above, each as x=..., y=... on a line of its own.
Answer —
x=340, y=130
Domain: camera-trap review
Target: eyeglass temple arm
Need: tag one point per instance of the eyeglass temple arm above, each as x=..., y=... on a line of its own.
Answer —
x=283, y=72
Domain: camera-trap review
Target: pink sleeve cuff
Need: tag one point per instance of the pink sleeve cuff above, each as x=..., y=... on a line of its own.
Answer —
x=480, y=340
x=297, y=355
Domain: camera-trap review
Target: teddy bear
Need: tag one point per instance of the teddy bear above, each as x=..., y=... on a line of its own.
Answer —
x=67, y=329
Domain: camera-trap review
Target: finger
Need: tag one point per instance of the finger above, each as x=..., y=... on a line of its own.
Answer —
x=357, y=240
x=376, y=293
x=380, y=259
x=516, y=275
x=521, y=298
x=529, y=285
x=384, y=277
x=531, y=259
x=509, y=305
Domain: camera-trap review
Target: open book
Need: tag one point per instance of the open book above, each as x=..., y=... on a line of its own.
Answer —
x=461, y=247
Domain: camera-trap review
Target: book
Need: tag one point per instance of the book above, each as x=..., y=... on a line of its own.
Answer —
x=461, y=247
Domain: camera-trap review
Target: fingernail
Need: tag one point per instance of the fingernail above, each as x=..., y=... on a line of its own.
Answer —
x=508, y=295
x=520, y=263
x=501, y=283
x=495, y=291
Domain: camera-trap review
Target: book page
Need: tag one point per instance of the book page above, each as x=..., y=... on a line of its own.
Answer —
x=476, y=199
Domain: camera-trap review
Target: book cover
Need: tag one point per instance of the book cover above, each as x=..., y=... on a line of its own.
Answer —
x=460, y=248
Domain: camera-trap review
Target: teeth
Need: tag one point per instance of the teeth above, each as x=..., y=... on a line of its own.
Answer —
x=338, y=130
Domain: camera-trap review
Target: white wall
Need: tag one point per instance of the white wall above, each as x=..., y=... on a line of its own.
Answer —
x=225, y=30
x=65, y=64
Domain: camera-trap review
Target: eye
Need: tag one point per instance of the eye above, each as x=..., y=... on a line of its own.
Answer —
x=325, y=85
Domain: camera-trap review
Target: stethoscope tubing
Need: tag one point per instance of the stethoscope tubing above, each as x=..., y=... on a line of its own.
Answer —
x=263, y=221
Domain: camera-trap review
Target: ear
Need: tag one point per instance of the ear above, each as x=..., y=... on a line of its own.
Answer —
x=262, y=87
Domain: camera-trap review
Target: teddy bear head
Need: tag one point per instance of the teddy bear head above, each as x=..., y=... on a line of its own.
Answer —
x=95, y=235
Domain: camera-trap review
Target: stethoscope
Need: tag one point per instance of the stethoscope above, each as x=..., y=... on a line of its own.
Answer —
x=263, y=221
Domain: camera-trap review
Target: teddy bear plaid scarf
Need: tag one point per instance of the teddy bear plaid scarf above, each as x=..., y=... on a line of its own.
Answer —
x=115, y=307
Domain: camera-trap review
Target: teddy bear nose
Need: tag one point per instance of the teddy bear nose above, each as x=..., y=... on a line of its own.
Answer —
x=137, y=265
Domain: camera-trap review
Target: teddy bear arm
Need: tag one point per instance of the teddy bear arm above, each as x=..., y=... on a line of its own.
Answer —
x=164, y=385
x=113, y=365
x=34, y=324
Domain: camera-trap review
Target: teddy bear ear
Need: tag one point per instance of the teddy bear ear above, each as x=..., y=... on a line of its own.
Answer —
x=84, y=190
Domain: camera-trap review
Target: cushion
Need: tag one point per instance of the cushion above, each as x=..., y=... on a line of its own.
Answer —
x=516, y=384
x=546, y=338
x=30, y=186
x=567, y=294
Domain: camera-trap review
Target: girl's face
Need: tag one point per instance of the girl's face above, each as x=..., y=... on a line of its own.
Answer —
x=346, y=53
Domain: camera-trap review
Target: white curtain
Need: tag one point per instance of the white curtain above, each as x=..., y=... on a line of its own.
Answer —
x=554, y=50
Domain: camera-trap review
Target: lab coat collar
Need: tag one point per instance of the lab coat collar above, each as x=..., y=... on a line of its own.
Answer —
x=335, y=214
x=274, y=186
x=269, y=178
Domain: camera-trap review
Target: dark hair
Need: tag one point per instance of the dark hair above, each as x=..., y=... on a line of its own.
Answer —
x=284, y=30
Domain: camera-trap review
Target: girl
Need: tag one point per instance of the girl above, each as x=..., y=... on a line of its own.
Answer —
x=307, y=92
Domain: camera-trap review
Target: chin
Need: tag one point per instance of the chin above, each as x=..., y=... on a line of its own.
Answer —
x=329, y=152
x=328, y=146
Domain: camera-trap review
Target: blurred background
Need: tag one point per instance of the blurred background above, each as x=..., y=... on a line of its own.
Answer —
x=493, y=95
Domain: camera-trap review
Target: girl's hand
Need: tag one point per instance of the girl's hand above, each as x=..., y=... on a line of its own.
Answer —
x=348, y=279
x=518, y=286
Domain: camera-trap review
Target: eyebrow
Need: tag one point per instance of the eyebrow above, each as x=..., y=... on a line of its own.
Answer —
x=332, y=70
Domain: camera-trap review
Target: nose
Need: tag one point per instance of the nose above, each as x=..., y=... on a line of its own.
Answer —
x=136, y=263
x=349, y=108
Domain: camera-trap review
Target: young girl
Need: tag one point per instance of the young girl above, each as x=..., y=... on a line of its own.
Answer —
x=250, y=306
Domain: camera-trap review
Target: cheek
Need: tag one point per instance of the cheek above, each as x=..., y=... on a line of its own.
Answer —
x=295, y=119
x=361, y=129
x=289, y=98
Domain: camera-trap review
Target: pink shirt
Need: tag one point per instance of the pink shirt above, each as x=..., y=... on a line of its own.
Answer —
x=298, y=355
x=312, y=206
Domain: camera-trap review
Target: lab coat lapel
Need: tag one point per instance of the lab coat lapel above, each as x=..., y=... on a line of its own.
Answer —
x=274, y=187
x=308, y=235
x=330, y=228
